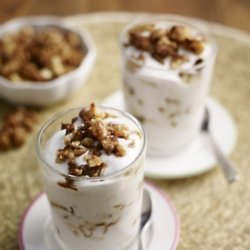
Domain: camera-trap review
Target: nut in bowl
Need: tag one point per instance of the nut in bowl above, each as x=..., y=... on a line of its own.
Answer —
x=43, y=60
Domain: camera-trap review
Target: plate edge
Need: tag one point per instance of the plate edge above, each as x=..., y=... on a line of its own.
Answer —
x=22, y=220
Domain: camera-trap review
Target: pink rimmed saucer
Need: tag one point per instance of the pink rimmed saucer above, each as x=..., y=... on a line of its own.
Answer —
x=165, y=228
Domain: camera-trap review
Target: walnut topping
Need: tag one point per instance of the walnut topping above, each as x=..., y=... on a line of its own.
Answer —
x=195, y=46
x=39, y=55
x=92, y=138
x=165, y=47
x=179, y=34
x=163, y=43
x=119, y=130
x=99, y=129
x=157, y=34
x=17, y=124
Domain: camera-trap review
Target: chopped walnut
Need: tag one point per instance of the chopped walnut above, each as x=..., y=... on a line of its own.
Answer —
x=88, y=114
x=69, y=152
x=90, y=140
x=18, y=136
x=74, y=169
x=46, y=73
x=179, y=34
x=39, y=55
x=195, y=46
x=67, y=139
x=163, y=43
x=164, y=47
x=99, y=129
x=109, y=145
x=5, y=140
x=16, y=126
x=30, y=71
x=157, y=34
x=141, y=42
x=94, y=161
x=119, y=130
x=68, y=126
x=57, y=65
x=120, y=150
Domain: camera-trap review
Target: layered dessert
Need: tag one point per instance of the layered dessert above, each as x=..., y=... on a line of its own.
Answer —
x=167, y=69
x=93, y=175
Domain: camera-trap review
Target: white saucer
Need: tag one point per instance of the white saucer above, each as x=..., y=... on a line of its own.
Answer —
x=198, y=157
x=165, y=233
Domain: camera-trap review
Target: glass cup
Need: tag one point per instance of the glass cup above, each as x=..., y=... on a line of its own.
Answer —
x=95, y=212
x=168, y=102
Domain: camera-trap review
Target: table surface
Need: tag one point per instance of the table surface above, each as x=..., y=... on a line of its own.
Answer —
x=235, y=13
x=213, y=214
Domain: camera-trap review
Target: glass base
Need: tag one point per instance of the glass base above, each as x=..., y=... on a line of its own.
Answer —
x=52, y=241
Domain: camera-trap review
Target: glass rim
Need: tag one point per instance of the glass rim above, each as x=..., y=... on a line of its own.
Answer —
x=198, y=26
x=55, y=117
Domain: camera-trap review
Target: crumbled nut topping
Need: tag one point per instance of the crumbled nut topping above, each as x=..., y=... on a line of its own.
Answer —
x=17, y=124
x=92, y=138
x=39, y=55
x=163, y=43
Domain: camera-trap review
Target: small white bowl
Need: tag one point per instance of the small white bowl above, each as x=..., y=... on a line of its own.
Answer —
x=62, y=87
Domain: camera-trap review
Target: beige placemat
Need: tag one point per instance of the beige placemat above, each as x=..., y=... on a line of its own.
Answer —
x=213, y=215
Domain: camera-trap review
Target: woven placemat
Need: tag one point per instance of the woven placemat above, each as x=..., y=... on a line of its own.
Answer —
x=213, y=214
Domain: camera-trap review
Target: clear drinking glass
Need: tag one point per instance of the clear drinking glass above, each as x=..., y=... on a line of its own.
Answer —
x=170, y=105
x=95, y=212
